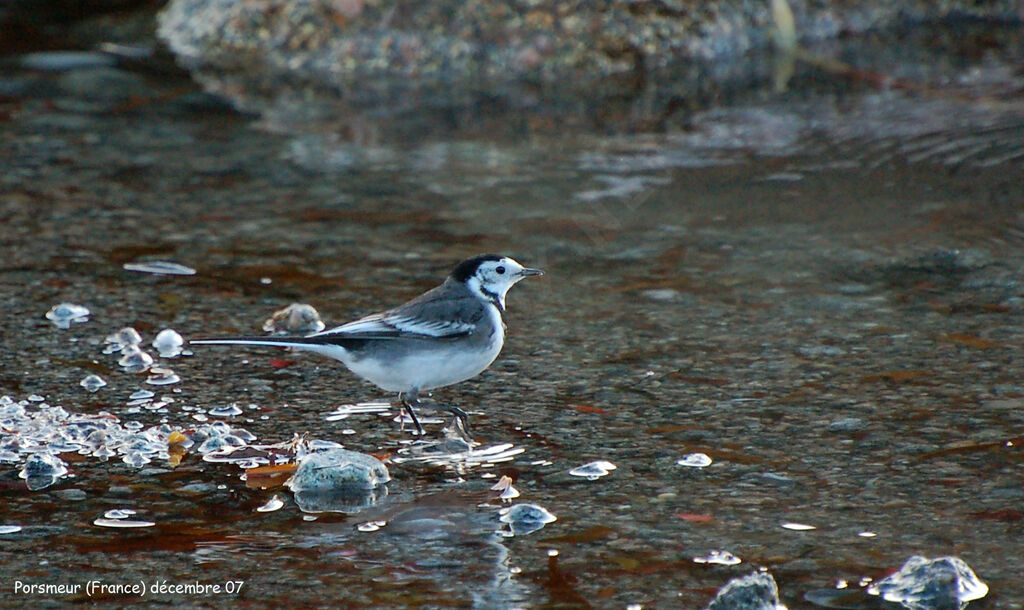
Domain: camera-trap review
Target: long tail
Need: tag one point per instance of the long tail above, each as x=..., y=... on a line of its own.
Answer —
x=267, y=341
x=332, y=347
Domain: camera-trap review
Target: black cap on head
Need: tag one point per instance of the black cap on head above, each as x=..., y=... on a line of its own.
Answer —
x=465, y=270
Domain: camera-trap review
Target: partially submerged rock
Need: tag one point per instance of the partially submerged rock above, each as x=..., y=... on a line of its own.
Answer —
x=339, y=480
x=943, y=583
x=298, y=61
x=755, y=591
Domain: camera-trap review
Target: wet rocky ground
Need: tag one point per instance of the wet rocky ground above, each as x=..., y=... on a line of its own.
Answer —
x=819, y=289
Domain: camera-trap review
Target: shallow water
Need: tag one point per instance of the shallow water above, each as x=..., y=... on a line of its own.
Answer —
x=819, y=290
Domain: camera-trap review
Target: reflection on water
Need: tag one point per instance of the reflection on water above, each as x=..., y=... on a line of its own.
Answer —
x=785, y=308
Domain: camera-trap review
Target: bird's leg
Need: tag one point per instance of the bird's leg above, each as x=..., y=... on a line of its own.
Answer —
x=457, y=412
x=409, y=400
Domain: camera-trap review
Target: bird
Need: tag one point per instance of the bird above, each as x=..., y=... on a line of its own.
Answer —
x=446, y=335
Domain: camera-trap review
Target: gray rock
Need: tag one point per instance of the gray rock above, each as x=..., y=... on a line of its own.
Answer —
x=339, y=481
x=418, y=54
x=71, y=495
x=756, y=591
x=944, y=583
x=339, y=469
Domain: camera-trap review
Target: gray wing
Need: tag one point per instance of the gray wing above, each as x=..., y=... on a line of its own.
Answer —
x=439, y=313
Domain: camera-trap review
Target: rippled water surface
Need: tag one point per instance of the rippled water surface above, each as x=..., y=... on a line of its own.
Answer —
x=790, y=323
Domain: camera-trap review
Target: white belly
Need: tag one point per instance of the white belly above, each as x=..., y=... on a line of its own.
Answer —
x=440, y=366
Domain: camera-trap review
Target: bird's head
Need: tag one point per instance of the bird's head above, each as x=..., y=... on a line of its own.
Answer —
x=489, y=276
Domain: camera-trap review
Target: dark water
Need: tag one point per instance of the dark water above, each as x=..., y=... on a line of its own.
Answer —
x=820, y=289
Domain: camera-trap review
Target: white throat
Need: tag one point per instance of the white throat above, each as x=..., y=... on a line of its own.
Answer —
x=496, y=298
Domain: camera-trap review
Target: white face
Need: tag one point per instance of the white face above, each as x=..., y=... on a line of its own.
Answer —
x=496, y=277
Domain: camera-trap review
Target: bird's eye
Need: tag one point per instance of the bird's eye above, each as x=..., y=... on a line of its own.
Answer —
x=500, y=270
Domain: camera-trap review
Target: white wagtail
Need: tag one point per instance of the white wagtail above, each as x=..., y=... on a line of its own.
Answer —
x=446, y=335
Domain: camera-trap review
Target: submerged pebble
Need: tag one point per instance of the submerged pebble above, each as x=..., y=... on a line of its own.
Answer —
x=66, y=314
x=168, y=343
x=756, y=591
x=523, y=519
x=92, y=383
x=339, y=469
x=922, y=584
x=593, y=470
x=338, y=480
x=71, y=495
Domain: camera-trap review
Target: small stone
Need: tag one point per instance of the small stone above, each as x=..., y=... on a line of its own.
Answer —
x=756, y=591
x=71, y=495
